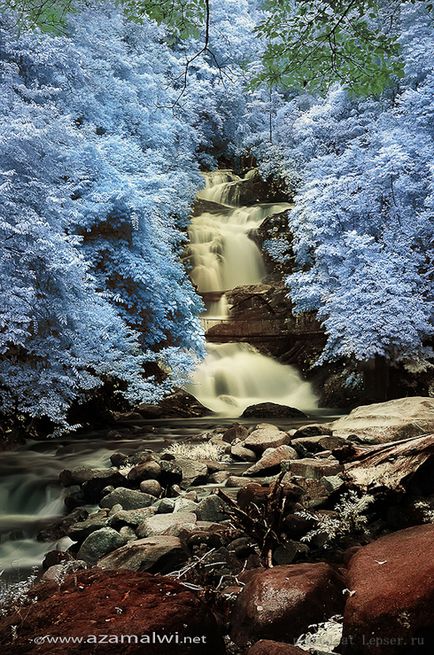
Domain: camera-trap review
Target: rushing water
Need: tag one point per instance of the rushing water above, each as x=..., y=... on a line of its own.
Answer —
x=224, y=256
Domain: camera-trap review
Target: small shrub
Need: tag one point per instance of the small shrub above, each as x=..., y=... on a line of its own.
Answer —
x=201, y=451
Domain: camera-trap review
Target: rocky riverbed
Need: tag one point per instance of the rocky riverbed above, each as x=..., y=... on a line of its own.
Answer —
x=248, y=538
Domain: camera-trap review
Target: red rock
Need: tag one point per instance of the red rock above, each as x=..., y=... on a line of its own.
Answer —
x=113, y=603
x=267, y=647
x=280, y=603
x=393, y=581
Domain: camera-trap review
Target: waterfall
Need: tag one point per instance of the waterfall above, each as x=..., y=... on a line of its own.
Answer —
x=224, y=256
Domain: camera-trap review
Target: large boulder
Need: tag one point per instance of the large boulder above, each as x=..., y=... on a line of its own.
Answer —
x=272, y=410
x=179, y=404
x=271, y=461
x=280, y=603
x=109, y=605
x=161, y=554
x=99, y=543
x=392, y=607
x=382, y=422
x=266, y=436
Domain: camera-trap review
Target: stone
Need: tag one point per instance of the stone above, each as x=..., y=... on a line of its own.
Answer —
x=272, y=410
x=212, y=508
x=332, y=483
x=148, y=470
x=390, y=421
x=271, y=461
x=160, y=523
x=235, y=481
x=151, y=487
x=128, y=533
x=171, y=473
x=393, y=581
x=242, y=453
x=179, y=404
x=61, y=527
x=314, y=430
x=309, y=467
x=319, y=443
x=130, y=517
x=119, y=459
x=193, y=472
x=236, y=431
x=280, y=603
x=164, y=506
x=113, y=603
x=183, y=504
x=219, y=477
x=267, y=647
x=99, y=543
x=128, y=498
x=82, y=474
x=162, y=554
x=266, y=436
x=82, y=529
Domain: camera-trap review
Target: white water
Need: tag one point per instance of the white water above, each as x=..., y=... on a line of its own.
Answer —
x=224, y=256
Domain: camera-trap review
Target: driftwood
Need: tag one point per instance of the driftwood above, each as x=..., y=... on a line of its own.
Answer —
x=399, y=466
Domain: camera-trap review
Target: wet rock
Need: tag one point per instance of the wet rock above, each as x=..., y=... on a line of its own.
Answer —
x=99, y=477
x=382, y=422
x=267, y=647
x=272, y=410
x=242, y=453
x=81, y=529
x=161, y=523
x=280, y=603
x=314, y=430
x=393, y=580
x=62, y=526
x=113, y=603
x=128, y=498
x=212, y=508
x=178, y=404
x=99, y=543
x=75, y=499
x=54, y=557
x=148, y=470
x=266, y=436
x=58, y=572
x=193, y=472
x=119, y=459
x=161, y=554
x=151, y=487
x=236, y=431
x=271, y=461
x=171, y=473
x=129, y=517
x=309, y=467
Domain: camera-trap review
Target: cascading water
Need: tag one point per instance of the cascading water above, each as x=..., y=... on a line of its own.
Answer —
x=223, y=256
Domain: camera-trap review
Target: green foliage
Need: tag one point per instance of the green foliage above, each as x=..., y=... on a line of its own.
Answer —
x=183, y=18
x=312, y=43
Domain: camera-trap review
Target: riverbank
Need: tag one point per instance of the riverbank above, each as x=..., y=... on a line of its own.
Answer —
x=262, y=526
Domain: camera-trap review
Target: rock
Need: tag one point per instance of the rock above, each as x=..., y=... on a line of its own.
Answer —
x=242, y=453
x=219, y=477
x=236, y=431
x=212, y=508
x=128, y=498
x=99, y=543
x=332, y=483
x=129, y=517
x=81, y=474
x=266, y=436
x=309, y=467
x=164, y=506
x=82, y=529
x=382, y=422
x=287, y=554
x=314, y=430
x=128, y=533
x=151, y=487
x=252, y=494
x=319, y=443
x=171, y=473
x=193, y=472
x=119, y=459
x=235, y=481
x=149, y=470
x=280, y=603
x=61, y=527
x=116, y=604
x=161, y=554
x=178, y=404
x=272, y=410
x=54, y=557
x=393, y=580
x=271, y=460
x=267, y=647
x=160, y=523
x=183, y=504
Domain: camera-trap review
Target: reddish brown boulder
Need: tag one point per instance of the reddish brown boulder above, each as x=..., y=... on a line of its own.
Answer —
x=267, y=647
x=116, y=612
x=280, y=603
x=392, y=609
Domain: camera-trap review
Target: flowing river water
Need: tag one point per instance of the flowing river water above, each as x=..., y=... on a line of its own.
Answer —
x=233, y=376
